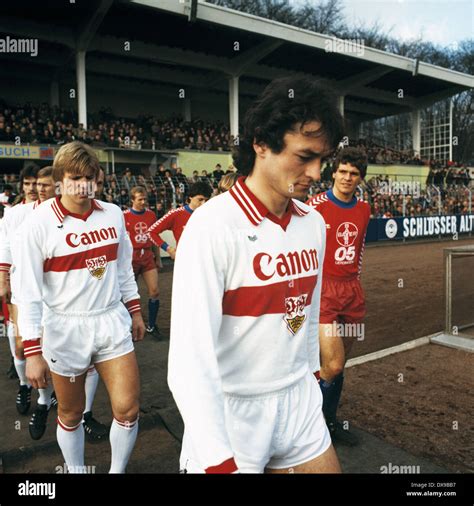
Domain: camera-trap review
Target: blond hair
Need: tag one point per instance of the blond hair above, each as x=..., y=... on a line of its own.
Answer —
x=136, y=190
x=45, y=172
x=76, y=158
x=227, y=182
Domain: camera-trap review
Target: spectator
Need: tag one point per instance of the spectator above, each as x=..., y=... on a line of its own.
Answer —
x=218, y=173
x=128, y=181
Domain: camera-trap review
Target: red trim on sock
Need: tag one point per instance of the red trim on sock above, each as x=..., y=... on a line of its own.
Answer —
x=227, y=467
x=127, y=425
x=66, y=428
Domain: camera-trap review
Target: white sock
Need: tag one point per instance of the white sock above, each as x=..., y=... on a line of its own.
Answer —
x=11, y=337
x=122, y=440
x=20, y=366
x=71, y=442
x=92, y=380
x=45, y=395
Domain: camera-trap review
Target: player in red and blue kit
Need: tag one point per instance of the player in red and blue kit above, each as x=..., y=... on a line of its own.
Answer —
x=342, y=298
x=138, y=220
x=176, y=219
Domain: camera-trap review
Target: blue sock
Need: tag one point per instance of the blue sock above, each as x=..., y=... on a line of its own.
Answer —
x=153, y=306
x=331, y=395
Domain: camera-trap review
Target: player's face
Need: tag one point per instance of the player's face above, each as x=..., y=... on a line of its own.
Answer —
x=79, y=188
x=29, y=188
x=291, y=172
x=197, y=201
x=346, y=178
x=139, y=202
x=45, y=187
x=100, y=184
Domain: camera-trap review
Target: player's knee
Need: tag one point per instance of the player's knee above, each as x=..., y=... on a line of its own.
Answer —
x=335, y=367
x=331, y=369
x=154, y=293
x=70, y=416
x=126, y=412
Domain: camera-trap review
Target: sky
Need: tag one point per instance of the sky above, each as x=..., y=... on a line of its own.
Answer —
x=443, y=22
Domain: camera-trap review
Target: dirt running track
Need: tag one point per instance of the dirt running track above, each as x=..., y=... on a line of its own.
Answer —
x=404, y=291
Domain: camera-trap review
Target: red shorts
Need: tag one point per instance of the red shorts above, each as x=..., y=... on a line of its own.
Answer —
x=341, y=301
x=143, y=260
x=5, y=312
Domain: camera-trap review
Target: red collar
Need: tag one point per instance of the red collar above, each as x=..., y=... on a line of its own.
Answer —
x=61, y=212
x=256, y=211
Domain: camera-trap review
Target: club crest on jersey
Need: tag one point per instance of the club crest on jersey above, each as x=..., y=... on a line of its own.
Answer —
x=346, y=233
x=97, y=266
x=141, y=230
x=295, y=312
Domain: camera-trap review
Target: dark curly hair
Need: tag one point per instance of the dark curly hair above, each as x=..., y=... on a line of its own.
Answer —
x=353, y=156
x=200, y=188
x=284, y=103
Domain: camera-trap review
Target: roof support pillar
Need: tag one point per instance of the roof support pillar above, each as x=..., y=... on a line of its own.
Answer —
x=54, y=93
x=187, y=109
x=234, y=105
x=81, y=87
x=416, y=131
x=340, y=104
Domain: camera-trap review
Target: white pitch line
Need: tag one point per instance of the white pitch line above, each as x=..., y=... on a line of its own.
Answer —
x=409, y=345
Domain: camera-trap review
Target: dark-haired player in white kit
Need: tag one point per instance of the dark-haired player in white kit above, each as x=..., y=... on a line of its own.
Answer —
x=245, y=300
x=76, y=259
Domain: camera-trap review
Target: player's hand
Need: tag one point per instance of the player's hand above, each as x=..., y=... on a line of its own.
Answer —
x=171, y=251
x=5, y=290
x=37, y=371
x=138, y=327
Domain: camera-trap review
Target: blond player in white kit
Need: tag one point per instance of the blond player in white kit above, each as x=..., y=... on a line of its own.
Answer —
x=244, y=347
x=76, y=259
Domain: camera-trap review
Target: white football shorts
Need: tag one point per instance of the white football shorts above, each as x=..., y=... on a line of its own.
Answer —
x=277, y=430
x=73, y=341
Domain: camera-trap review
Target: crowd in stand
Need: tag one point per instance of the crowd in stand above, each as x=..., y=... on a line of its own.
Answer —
x=389, y=200
x=44, y=124
x=168, y=189
x=382, y=155
x=54, y=125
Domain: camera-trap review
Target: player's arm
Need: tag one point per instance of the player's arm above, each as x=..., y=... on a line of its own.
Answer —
x=165, y=223
x=29, y=267
x=127, y=284
x=364, y=231
x=5, y=258
x=313, y=330
x=193, y=373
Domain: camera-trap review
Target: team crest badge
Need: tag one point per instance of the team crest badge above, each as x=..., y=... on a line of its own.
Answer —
x=97, y=266
x=295, y=314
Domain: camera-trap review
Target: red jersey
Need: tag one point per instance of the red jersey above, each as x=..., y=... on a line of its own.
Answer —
x=175, y=220
x=346, y=226
x=137, y=224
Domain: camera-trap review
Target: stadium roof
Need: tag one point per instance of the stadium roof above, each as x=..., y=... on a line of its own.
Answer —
x=166, y=48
